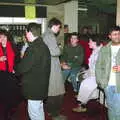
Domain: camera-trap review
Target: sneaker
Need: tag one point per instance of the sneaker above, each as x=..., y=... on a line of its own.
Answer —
x=79, y=109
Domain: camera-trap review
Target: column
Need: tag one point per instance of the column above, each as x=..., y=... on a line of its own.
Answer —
x=71, y=15
x=118, y=13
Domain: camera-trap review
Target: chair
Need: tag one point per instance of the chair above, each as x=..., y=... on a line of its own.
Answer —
x=79, y=78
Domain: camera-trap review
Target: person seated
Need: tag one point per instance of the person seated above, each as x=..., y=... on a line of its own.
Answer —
x=72, y=59
x=88, y=88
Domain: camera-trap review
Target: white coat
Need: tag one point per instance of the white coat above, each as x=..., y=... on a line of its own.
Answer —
x=88, y=88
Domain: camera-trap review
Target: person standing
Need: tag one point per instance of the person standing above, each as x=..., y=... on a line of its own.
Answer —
x=35, y=70
x=56, y=85
x=108, y=73
x=8, y=89
x=7, y=53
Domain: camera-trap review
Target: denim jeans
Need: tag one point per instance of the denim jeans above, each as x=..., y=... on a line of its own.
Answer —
x=36, y=110
x=113, y=102
x=72, y=73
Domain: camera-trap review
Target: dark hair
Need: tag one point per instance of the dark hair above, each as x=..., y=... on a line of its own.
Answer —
x=75, y=34
x=96, y=38
x=114, y=28
x=3, y=32
x=54, y=21
x=72, y=34
x=34, y=28
x=65, y=26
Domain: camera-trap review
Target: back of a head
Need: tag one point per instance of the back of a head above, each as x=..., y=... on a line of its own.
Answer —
x=34, y=28
x=54, y=21
x=66, y=28
x=84, y=37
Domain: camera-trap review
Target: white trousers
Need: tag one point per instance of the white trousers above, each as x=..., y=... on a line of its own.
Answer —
x=88, y=90
x=36, y=110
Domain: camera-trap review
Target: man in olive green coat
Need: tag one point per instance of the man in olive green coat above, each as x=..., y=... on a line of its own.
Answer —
x=108, y=73
x=35, y=68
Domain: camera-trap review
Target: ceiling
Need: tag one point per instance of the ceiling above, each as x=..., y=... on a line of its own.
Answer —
x=43, y=2
x=107, y=6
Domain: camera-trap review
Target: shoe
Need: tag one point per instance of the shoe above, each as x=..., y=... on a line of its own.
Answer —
x=60, y=117
x=79, y=109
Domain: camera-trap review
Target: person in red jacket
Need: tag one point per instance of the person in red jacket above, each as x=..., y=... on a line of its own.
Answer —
x=7, y=54
x=8, y=88
x=84, y=40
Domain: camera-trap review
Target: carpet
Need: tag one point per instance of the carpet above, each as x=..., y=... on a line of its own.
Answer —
x=96, y=111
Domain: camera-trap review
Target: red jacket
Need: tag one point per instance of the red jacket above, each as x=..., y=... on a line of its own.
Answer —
x=88, y=51
x=10, y=57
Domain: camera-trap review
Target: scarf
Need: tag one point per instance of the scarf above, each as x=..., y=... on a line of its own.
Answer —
x=10, y=57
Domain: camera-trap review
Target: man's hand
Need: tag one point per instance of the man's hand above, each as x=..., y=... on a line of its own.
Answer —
x=116, y=68
x=64, y=65
x=3, y=58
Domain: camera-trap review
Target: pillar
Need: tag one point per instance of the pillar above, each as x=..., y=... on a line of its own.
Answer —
x=118, y=13
x=71, y=15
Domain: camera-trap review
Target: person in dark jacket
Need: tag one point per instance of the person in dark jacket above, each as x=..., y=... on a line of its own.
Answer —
x=72, y=59
x=35, y=70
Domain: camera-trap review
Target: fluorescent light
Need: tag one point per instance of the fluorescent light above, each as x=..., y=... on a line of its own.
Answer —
x=82, y=9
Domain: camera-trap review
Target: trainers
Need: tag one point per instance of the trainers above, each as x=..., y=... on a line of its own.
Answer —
x=79, y=109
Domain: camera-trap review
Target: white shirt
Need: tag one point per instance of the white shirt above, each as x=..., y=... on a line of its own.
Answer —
x=25, y=46
x=114, y=51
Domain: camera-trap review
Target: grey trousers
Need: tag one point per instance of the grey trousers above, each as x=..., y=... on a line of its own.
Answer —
x=54, y=104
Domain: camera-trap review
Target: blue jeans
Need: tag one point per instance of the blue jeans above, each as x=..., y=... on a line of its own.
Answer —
x=113, y=102
x=71, y=73
x=36, y=110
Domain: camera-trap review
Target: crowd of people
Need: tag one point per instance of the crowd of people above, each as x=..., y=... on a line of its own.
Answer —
x=44, y=69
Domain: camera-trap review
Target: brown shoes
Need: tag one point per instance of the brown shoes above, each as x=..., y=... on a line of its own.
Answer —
x=79, y=109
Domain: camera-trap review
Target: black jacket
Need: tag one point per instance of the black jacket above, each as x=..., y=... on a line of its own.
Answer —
x=35, y=68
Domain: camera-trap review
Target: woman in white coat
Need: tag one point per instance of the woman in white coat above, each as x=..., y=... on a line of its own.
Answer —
x=88, y=88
